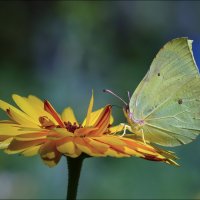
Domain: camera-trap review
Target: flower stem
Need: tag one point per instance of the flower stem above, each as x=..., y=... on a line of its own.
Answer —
x=74, y=170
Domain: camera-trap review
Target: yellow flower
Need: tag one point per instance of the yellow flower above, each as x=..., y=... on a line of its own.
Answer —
x=36, y=128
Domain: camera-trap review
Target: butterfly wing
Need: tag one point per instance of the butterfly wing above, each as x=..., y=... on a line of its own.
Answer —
x=168, y=98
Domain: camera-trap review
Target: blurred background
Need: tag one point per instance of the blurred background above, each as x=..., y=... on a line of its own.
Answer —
x=60, y=51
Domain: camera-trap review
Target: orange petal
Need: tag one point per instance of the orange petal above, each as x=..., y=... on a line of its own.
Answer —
x=115, y=143
x=102, y=122
x=67, y=147
x=50, y=154
x=19, y=145
x=46, y=122
x=149, y=152
x=111, y=140
x=32, y=136
x=138, y=145
x=85, y=147
x=104, y=117
x=49, y=108
x=115, y=146
x=98, y=146
x=85, y=131
x=94, y=116
x=4, y=137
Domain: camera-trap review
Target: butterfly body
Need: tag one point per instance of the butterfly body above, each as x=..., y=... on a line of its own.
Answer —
x=165, y=106
x=136, y=124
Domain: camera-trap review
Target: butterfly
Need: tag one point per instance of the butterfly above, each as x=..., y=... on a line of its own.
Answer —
x=165, y=107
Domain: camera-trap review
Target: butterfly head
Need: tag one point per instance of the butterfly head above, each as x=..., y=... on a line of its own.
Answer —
x=126, y=111
x=136, y=124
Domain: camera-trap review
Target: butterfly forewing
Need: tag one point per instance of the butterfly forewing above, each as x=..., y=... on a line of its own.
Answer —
x=168, y=98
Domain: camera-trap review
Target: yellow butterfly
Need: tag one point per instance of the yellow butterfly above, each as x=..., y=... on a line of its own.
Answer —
x=165, y=107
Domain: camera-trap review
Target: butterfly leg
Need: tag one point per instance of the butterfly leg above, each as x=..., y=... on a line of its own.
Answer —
x=143, y=137
x=125, y=128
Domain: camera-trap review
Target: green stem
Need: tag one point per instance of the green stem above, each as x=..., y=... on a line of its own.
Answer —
x=74, y=170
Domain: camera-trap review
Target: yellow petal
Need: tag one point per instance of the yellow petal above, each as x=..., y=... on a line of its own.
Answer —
x=67, y=148
x=111, y=140
x=111, y=119
x=23, y=119
x=68, y=115
x=63, y=132
x=50, y=155
x=32, y=136
x=51, y=158
x=50, y=163
x=150, y=152
x=115, y=129
x=36, y=102
x=99, y=146
x=102, y=122
x=74, y=155
x=88, y=117
x=17, y=115
x=86, y=148
x=113, y=153
x=133, y=152
x=8, y=151
x=25, y=106
x=9, y=130
x=94, y=116
x=5, y=143
x=39, y=107
x=31, y=151
x=144, y=151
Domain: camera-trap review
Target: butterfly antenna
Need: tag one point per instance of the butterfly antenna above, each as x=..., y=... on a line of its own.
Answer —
x=109, y=91
x=129, y=97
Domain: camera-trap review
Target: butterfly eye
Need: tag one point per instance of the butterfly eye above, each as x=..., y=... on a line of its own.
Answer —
x=159, y=74
x=126, y=108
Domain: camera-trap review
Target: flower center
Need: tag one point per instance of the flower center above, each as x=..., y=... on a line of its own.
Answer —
x=72, y=127
x=48, y=124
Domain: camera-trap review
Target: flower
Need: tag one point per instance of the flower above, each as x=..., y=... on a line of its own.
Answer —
x=36, y=128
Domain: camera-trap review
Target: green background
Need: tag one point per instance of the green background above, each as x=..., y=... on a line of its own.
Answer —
x=60, y=51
